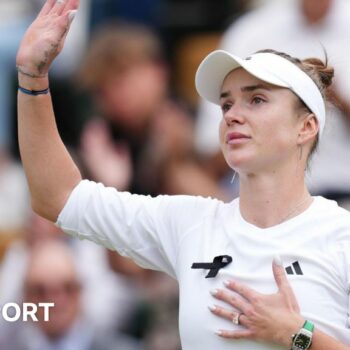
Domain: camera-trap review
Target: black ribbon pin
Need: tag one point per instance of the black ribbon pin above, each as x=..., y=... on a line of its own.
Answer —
x=218, y=263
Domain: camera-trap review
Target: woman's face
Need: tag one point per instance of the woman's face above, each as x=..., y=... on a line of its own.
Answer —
x=259, y=128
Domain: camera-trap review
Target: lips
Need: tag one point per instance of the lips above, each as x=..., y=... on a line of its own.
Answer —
x=235, y=137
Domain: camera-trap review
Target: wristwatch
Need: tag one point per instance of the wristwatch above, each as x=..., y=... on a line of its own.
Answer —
x=302, y=340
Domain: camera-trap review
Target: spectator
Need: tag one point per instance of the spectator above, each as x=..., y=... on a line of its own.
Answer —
x=108, y=298
x=142, y=139
x=52, y=276
x=12, y=270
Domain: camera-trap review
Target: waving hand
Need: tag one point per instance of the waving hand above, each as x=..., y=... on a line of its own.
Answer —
x=45, y=37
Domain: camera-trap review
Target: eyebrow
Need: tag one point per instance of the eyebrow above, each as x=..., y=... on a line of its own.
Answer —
x=247, y=89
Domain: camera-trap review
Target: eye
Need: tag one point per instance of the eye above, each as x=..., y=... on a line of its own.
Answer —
x=257, y=100
x=226, y=107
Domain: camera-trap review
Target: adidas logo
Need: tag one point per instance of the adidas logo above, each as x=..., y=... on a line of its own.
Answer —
x=294, y=269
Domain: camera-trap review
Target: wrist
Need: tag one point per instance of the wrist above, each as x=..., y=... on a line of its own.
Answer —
x=33, y=83
x=302, y=340
x=286, y=338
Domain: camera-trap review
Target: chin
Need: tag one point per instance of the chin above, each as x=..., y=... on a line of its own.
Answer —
x=239, y=162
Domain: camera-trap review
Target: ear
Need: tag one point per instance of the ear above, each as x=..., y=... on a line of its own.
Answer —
x=308, y=129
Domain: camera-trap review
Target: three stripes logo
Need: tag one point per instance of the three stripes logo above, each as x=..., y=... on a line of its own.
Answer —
x=294, y=269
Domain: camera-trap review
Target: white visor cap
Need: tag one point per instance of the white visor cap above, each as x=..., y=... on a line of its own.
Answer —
x=267, y=67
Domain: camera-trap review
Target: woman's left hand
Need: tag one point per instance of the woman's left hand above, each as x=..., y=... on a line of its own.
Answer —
x=270, y=318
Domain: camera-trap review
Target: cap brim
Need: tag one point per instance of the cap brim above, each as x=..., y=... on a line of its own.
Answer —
x=215, y=67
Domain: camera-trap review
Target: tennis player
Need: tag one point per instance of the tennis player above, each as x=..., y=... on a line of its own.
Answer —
x=273, y=110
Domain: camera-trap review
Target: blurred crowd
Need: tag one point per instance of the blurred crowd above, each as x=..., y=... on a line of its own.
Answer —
x=126, y=106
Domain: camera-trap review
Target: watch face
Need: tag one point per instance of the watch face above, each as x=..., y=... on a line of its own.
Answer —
x=302, y=341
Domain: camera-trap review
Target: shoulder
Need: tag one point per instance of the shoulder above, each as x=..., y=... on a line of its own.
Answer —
x=329, y=210
x=189, y=208
x=164, y=207
x=324, y=205
x=190, y=202
x=337, y=219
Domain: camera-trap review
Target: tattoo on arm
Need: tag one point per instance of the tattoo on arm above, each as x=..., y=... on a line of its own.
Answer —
x=48, y=55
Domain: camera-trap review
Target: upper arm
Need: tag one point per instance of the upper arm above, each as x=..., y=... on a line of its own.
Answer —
x=144, y=228
x=54, y=204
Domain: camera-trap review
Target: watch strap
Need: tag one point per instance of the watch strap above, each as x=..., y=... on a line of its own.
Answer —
x=307, y=330
x=309, y=326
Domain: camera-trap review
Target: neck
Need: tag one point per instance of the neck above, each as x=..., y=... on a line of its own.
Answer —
x=268, y=199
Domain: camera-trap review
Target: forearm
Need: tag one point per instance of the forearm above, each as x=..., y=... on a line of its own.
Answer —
x=322, y=341
x=50, y=170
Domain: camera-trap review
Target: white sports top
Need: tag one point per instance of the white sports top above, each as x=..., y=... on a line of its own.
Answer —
x=170, y=233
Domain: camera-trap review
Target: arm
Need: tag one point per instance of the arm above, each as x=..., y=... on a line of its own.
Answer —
x=50, y=171
x=322, y=341
x=268, y=318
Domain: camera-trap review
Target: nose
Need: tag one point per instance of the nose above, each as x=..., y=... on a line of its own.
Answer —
x=234, y=115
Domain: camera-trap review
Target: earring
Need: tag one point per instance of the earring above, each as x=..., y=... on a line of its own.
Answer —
x=233, y=177
x=300, y=152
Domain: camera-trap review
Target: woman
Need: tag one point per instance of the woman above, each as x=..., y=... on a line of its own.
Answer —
x=273, y=113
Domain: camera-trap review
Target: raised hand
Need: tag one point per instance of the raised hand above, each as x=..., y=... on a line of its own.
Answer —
x=45, y=38
x=270, y=318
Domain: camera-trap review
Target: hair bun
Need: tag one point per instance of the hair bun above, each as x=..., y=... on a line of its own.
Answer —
x=324, y=72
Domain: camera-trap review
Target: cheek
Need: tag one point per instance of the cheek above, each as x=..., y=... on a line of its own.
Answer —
x=276, y=138
x=274, y=127
x=222, y=129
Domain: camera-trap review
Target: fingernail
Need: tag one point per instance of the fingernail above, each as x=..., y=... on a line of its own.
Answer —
x=227, y=283
x=218, y=332
x=212, y=308
x=277, y=260
x=71, y=15
x=214, y=291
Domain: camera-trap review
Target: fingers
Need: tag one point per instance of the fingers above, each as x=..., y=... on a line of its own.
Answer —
x=243, y=334
x=64, y=6
x=279, y=273
x=66, y=21
x=224, y=313
x=242, y=290
x=49, y=4
x=58, y=7
x=71, y=5
x=280, y=277
x=233, y=300
x=244, y=320
x=230, y=315
x=283, y=284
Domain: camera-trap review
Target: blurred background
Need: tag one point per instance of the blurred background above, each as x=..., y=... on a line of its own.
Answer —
x=127, y=109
